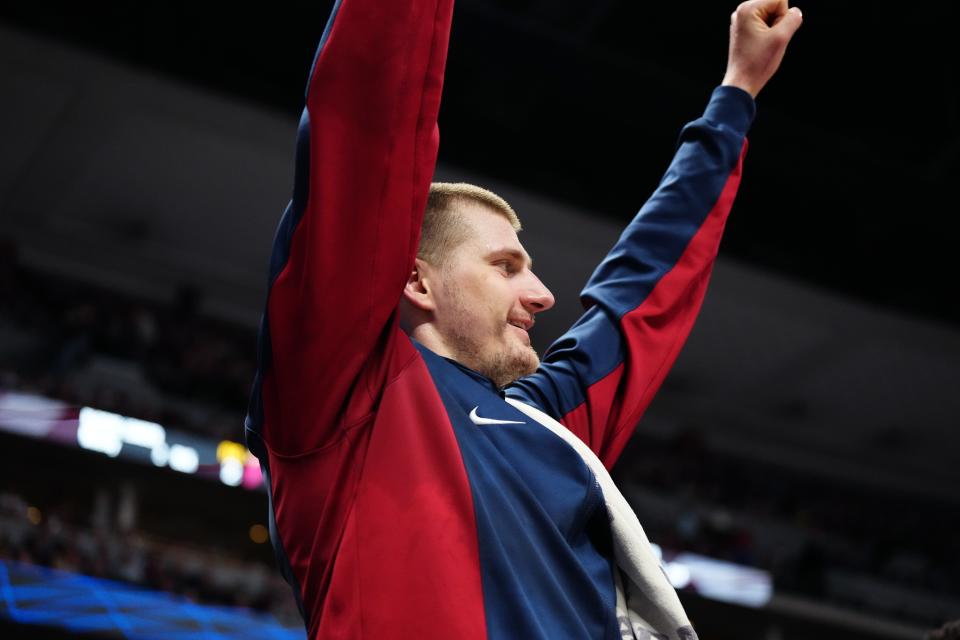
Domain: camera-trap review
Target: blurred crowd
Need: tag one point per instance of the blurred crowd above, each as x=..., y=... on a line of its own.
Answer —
x=803, y=528
x=51, y=329
x=61, y=538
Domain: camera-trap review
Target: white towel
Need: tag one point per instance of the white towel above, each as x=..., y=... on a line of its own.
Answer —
x=647, y=604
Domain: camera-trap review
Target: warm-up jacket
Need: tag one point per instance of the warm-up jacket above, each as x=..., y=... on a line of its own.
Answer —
x=408, y=499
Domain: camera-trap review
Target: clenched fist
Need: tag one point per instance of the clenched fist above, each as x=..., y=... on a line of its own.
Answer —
x=759, y=33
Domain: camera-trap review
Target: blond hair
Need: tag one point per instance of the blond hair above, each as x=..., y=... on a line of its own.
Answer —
x=444, y=227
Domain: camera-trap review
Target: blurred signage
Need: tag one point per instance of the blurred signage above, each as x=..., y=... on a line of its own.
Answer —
x=717, y=579
x=115, y=435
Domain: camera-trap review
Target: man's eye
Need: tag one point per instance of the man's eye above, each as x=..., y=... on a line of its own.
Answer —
x=504, y=266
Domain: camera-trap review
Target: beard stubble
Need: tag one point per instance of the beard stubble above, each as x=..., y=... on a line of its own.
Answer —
x=465, y=341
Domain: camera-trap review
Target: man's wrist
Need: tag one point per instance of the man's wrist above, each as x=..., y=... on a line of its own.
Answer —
x=734, y=80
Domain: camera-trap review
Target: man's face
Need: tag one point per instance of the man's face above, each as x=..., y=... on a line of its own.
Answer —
x=487, y=297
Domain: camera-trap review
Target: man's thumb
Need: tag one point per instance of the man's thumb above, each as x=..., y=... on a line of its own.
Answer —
x=790, y=22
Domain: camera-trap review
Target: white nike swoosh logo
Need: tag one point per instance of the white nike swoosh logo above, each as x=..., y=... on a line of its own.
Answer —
x=478, y=420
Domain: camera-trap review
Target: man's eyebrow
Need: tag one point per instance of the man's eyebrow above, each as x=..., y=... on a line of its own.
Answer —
x=517, y=254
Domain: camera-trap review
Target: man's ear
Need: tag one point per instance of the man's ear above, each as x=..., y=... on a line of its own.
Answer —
x=419, y=288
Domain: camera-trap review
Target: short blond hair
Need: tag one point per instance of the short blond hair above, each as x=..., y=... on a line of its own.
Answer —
x=444, y=227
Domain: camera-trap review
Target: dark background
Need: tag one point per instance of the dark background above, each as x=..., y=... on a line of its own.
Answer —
x=854, y=153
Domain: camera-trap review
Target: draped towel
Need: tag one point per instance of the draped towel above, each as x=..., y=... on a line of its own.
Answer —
x=647, y=604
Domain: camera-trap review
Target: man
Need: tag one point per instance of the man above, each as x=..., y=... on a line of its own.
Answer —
x=428, y=477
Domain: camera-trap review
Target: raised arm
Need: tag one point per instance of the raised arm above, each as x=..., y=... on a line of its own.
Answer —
x=365, y=155
x=642, y=300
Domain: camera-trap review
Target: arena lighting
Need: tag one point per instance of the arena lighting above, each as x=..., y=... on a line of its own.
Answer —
x=717, y=579
x=31, y=415
x=238, y=467
x=34, y=516
x=108, y=432
x=160, y=455
x=726, y=581
x=228, y=450
x=657, y=551
x=184, y=459
x=144, y=434
x=115, y=435
x=259, y=534
x=231, y=472
x=678, y=574
x=231, y=456
x=252, y=474
x=101, y=431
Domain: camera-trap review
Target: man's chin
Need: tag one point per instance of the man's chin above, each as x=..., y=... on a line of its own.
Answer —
x=508, y=367
x=503, y=365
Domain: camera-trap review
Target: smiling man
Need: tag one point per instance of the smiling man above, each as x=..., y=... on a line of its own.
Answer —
x=428, y=476
x=472, y=294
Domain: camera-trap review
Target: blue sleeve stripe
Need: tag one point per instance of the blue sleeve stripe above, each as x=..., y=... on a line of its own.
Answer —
x=650, y=246
x=279, y=257
x=653, y=242
x=323, y=41
x=280, y=253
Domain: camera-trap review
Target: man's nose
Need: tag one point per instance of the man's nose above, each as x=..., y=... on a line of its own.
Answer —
x=535, y=296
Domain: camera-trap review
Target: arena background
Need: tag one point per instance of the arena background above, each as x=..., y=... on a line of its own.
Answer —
x=800, y=466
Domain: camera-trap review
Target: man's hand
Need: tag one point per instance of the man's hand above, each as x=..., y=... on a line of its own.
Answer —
x=759, y=33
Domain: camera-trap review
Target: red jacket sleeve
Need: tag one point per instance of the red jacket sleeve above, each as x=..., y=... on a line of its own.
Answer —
x=642, y=300
x=366, y=151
